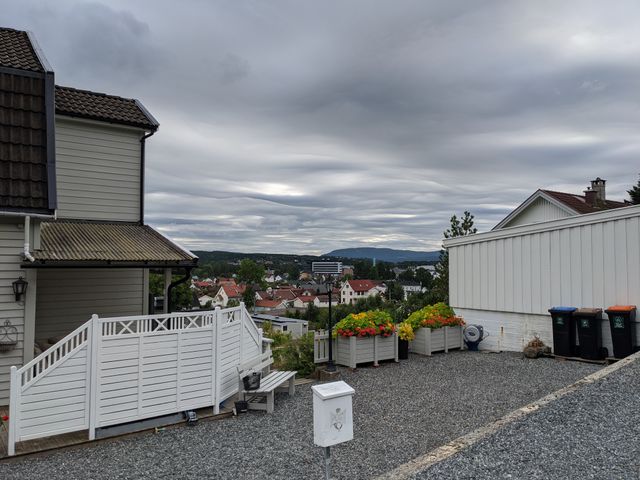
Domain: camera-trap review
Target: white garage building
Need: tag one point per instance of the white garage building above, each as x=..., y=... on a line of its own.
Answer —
x=508, y=278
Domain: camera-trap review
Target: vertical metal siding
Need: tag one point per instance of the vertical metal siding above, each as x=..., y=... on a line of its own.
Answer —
x=588, y=265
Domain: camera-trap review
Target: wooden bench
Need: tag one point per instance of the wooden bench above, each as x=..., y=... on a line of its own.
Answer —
x=266, y=392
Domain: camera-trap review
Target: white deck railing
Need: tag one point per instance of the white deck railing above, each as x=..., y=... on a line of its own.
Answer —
x=118, y=370
x=321, y=346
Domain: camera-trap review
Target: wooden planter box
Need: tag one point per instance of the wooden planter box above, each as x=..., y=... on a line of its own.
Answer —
x=443, y=339
x=353, y=350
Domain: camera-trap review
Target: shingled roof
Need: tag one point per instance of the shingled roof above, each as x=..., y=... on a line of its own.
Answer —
x=16, y=51
x=70, y=243
x=579, y=202
x=102, y=107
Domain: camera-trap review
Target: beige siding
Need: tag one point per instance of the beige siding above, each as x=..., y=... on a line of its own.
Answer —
x=68, y=297
x=98, y=171
x=541, y=210
x=11, y=244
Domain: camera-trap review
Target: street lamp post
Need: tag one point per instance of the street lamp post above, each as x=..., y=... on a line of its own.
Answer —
x=331, y=366
x=328, y=270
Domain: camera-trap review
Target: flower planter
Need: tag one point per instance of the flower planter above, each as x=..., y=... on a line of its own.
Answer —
x=350, y=351
x=443, y=339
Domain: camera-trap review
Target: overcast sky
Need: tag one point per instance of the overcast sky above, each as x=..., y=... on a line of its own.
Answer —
x=302, y=126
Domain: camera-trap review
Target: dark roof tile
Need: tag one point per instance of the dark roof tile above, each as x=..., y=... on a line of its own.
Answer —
x=16, y=51
x=579, y=202
x=102, y=107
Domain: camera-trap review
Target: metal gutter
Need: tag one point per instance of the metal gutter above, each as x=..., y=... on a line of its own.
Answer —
x=105, y=264
x=143, y=142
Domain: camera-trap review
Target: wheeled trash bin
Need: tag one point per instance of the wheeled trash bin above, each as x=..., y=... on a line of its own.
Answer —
x=564, y=331
x=623, y=329
x=588, y=321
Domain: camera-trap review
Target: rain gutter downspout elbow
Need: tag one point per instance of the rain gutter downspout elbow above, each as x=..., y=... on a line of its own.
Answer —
x=27, y=235
x=172, y=285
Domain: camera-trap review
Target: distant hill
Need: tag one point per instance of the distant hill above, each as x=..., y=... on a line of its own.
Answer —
x=386, y=254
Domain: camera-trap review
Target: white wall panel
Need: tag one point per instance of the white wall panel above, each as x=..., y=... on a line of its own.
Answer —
x=584, y=261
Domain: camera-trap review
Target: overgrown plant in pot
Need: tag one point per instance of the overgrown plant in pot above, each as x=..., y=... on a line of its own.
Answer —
x=434, y=328
x=366, y=324
x=405, y=335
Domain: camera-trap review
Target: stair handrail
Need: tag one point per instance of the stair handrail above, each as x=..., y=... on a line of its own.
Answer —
x=54, y=354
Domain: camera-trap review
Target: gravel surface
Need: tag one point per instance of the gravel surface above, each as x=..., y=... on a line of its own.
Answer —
x=592, y=433
x=401, y=411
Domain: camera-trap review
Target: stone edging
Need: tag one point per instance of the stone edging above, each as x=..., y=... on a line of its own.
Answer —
x=423, y=462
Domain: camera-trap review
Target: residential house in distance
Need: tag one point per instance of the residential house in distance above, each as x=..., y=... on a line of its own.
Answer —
x=205, y=300
x=293, y=326
x=269, y=305
x=227, y=292
x=546, y=205
x=354, y=290
x=72, y=226
x=409, y=288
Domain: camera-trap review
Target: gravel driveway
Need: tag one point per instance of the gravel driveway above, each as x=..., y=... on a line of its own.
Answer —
x=592, y=433
x=401, y=411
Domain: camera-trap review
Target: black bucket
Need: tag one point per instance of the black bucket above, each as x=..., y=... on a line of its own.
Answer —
x=251, y=381
x=242, y=406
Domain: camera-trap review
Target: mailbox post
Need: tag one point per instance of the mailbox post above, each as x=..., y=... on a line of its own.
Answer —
x=332, y=417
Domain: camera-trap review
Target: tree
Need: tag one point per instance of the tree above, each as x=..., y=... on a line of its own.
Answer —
x=249, y=298
x=424, y=277
x=634, y=193
x=395, y=292
x=458, y=228
x=250, y=272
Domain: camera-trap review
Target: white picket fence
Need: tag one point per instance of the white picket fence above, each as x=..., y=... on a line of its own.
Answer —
x=118, y=370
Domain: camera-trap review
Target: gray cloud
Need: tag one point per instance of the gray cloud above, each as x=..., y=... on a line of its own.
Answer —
x=294, y=126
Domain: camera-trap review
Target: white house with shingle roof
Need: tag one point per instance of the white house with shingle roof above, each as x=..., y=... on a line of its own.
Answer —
x=71, y=206
x=546, y=205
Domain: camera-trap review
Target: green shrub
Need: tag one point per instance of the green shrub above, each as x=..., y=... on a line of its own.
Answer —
x=296, y=354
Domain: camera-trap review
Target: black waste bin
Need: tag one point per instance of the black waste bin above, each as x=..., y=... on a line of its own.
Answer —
x=623, y=330
x=588, y=321
x=564, y=331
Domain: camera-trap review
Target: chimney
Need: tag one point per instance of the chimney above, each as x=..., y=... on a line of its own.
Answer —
x=590, y=196
x=597, y=186
x=595, y=195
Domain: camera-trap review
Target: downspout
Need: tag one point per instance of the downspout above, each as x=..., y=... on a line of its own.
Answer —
x=27, y=236
x=142, y=148
x=172, y=285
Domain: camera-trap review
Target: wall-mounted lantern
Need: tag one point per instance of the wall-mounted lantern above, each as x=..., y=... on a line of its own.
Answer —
x=20, y=288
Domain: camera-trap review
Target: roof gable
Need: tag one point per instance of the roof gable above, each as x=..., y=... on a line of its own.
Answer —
x=102, y=107
x=570, y=203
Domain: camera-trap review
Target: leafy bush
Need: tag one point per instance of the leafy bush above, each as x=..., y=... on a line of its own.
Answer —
x=296, y=354
x=366, y=324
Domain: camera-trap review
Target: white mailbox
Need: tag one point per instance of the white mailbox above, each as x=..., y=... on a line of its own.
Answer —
x=332, y=413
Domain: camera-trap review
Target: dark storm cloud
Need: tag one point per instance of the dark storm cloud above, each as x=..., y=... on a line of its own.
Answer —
x=300, y=126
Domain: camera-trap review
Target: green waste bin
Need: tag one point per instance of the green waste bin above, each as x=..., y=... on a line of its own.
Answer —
x=564, y=331
x=623, y=329
x=588, y=321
